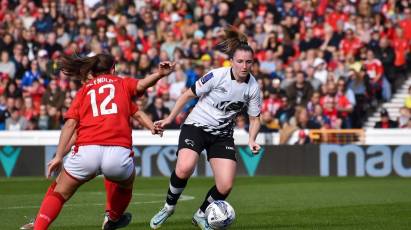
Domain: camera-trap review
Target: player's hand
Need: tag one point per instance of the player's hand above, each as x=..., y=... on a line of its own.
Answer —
x=166, y=67
x=255, y=148
x=54, y=165
x=161, y=124
x=157, y=130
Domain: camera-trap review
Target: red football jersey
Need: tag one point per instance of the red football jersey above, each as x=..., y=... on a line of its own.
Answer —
x=374, y=68
x=102, y=107
x=348, y=46
x=133, y=108
x=401, y=48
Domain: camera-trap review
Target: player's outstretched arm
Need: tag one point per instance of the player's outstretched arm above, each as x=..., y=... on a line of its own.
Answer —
x=254, y=128
x=164, y=69
x=147, y=123
x=182, y=100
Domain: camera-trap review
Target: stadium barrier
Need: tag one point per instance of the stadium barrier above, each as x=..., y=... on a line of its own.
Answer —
x=337, y=136
x=27, y=153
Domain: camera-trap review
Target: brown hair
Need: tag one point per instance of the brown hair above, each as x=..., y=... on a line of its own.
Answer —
x=234, y=40
x=79, y=68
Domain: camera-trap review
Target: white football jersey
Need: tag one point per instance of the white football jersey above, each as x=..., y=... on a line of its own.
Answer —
x=221, y=97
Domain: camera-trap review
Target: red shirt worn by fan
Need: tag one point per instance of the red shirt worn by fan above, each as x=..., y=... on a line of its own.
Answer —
x=102, y=109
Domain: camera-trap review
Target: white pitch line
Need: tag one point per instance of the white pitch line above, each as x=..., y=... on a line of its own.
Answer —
x=182, y=198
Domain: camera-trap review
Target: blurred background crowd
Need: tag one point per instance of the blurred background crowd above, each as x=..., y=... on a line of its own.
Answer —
x=320, y=64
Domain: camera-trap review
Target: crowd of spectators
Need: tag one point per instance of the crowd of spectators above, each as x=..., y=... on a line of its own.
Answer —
x=320, y=64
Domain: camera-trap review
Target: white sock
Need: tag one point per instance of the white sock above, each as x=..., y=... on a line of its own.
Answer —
x=169, y=207
x=200, y=213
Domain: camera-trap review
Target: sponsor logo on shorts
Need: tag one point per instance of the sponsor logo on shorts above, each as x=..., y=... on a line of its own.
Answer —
x=230, y=148
x=189, y=142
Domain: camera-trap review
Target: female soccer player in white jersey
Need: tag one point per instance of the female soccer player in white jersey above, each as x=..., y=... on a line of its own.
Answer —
x=222, y=93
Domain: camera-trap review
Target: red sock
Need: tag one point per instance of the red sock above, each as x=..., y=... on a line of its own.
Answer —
x=120, y=199
x=51, y=188
x=49, y=210
x=109, y=192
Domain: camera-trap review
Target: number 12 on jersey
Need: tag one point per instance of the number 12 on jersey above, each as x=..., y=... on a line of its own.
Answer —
x=104, y=104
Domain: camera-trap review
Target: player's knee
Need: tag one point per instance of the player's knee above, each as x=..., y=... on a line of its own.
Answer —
x=184, y=172
x=225, y=188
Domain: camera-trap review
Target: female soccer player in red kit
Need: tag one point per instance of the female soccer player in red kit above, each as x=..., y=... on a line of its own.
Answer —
x=99, y=115
x=110, y=186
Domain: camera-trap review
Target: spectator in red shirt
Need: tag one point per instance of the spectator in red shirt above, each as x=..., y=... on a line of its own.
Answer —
x=401, y=48
x=330, y=113
x=4, y=80
x=405, y=23
x=29, y=111
x=350, y=43
x=273, y=102
x=343, y=105
x=375, y=72
x=336, y=16
x=126, y=42
x=35, y=91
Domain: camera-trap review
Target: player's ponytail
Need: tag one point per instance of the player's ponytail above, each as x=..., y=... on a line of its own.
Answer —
x=234, y=40
x=80, y=68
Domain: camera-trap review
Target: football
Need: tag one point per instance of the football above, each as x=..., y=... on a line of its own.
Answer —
x=220, y=214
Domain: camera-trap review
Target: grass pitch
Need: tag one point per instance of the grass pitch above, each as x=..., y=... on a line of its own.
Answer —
x=259, y=202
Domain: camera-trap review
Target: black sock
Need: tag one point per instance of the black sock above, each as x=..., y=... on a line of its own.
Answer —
x=175, y=189
x=212, y=195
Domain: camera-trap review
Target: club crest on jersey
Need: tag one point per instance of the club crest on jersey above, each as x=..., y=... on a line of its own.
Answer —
x=207, y=77
x=221, y=89
x=229, y=106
